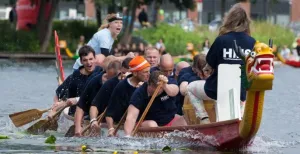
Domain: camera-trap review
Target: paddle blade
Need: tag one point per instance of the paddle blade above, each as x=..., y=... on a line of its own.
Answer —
x=22, y=118
x=70, y=132
x=38, y=128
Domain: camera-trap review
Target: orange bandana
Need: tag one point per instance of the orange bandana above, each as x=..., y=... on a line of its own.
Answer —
x=138, y=63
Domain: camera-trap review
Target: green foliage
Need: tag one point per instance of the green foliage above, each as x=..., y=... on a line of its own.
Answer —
x=167, y=149
x=12, y=40
x=175, y=38
x=71, y=31
x=51, y=139
x=27, y=41
x=263, y=31
x=4, y=137
x=260, y=30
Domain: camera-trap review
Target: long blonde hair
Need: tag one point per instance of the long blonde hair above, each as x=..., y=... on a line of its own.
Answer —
x=108, y=17
x=236, y=21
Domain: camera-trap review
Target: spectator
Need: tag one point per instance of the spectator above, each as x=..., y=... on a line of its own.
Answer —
x=160, y=46
x=143, y=18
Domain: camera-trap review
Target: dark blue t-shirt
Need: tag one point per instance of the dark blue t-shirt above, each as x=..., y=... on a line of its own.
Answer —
x=119, y=100
x=221, y=52
x=163, y=109
x=75, y=83
x=102, y=98
x=184, y=71
x=89, y=93
x=188, y=77
x=156, y=68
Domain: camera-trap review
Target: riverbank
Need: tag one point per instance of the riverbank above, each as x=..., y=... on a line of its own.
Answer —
x=36, y=56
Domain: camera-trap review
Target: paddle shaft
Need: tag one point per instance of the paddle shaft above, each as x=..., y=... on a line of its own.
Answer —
x=120, y=123
x=99, y=119
x=43, y=111
x=147, y=108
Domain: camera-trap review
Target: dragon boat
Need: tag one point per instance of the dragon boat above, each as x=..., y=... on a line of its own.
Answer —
x=289, y=62
x=230, y=129
x=232, y=133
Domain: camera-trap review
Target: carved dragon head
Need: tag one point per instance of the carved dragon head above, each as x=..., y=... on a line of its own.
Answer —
x=258, y=66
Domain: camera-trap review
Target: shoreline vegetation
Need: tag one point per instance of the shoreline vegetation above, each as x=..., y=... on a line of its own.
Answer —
x=175, y=38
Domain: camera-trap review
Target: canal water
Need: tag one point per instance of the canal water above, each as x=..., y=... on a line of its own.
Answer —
x=31, y=84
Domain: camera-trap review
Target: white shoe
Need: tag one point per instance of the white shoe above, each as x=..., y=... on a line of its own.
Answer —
x=205, y=121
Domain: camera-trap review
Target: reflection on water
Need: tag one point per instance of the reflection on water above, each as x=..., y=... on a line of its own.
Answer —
x=26, y=85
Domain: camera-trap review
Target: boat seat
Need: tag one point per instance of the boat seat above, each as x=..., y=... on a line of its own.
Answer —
x=228, y=106
x=190, y=115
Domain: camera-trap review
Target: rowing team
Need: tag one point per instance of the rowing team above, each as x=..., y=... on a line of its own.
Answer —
x=127, y=85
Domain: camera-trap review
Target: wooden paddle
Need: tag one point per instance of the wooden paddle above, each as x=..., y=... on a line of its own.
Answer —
x=99, y=119
x=43, y=125
x=147, y=108
x=71, y=130
x=22, y=118
x=121, y=122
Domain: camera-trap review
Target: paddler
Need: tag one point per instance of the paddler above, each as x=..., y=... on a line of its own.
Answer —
x=102, y=98
x=163, y=110
x=236, y=26
x=166, y=66
x=103, y=40
x=90, y=92
x=179, y=66
x=152, y=56
x=188, y=77
x=119, y=100
x=74, y=85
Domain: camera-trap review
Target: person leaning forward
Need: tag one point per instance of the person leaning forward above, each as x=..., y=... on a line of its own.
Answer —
x=163, y=110
x=120, y=97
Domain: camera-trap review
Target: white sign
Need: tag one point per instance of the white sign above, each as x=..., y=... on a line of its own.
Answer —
x=72, y=13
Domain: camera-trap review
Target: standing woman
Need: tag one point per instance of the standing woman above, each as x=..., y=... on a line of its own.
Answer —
x=236, y=26
x=103, y=40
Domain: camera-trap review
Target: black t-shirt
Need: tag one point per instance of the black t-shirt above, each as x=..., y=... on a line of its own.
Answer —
x=75, y=83
x=188, y=77
x=119, y=100
x=89, y=93
x=221, y=52
x=163, y=109
x=102, y=98
x=183, y=71
x=298, y=50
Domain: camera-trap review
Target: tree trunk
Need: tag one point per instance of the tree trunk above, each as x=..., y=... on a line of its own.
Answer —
x=41, y=22
x=47, y=26
x=128, y=30
x=98, y=14
x=112, y=7
x=155, y=8
x=223, y=8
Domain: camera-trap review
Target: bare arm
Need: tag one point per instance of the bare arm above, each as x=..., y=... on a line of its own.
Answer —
x=171, y=89
x=131, y=117
x=100, y=58
x=93, y=112
x=78, y=120
x=55, y=102
x=183, y=88
x=110, y=124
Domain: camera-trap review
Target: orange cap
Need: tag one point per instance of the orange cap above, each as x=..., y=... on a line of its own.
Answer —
x=138, y=63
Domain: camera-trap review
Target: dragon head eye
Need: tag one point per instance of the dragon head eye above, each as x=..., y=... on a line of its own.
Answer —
x=252, y=54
